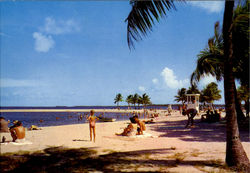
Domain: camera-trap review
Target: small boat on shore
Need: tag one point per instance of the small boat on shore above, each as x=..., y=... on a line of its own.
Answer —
x=105, y=119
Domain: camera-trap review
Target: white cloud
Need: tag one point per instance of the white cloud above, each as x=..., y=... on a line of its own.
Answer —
x=141, y=88
x=210, y=6
x=60, y=27
x=170, y=79
x=155, y=80
x=43, y=43
x=206, y=80
x=18, y=83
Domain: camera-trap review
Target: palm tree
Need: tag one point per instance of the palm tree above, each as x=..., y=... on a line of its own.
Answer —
x=118, y=98
x=129, y=99
x=211, y=93
x=243, y=95
x=135, y=99
x=140, y=21
x=145, y=100
x=142, y=15
x=181, y=96
x=193, y=89
x=235, y=154
x=211, y=59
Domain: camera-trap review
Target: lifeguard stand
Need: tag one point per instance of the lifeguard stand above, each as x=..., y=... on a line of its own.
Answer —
x=193, y=101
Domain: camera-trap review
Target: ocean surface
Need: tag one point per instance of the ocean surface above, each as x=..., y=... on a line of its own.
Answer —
x=42, y=119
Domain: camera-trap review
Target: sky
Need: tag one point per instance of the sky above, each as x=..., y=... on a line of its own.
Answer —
x=75, y=53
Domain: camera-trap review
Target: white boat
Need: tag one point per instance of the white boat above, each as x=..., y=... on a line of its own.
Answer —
x=104, y=119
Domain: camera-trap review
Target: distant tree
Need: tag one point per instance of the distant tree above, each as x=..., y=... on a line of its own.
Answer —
x=210, y=93
x=118, y=98
x=181, y=96
x=193, y=89
x=135, y=99
x=129, y=100
x=145, y=100
x=243, y=95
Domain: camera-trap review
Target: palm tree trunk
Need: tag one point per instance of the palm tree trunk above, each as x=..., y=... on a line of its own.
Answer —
x=235, y=154
x=247, y=107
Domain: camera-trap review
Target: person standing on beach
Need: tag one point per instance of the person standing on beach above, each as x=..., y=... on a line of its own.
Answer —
x=92, y=120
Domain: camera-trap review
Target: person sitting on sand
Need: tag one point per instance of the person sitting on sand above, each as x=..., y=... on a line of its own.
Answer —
x=4, y=125
x=92, y=120
x=17, y=131
x=128, y=131
x=141, y=126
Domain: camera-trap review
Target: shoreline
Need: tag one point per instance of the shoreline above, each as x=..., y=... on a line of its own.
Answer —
x=72, y=110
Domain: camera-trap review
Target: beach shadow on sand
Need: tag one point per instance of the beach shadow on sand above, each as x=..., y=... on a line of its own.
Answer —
x=201, y=132
x=59, y=159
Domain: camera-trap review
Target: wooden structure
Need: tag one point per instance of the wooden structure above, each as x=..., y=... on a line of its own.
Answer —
x=192, y=101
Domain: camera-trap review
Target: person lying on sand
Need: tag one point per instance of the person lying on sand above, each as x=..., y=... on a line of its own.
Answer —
x=33, y=127
x=17, y=131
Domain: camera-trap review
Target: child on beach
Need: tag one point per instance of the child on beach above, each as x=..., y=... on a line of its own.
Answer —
x=92, y=120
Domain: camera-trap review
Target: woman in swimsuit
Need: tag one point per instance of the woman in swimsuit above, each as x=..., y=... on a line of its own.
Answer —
x=92, y=120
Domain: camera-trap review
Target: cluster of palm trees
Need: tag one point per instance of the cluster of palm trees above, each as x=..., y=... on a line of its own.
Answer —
x=208, y=95
x=231, y=60
x=144, y=100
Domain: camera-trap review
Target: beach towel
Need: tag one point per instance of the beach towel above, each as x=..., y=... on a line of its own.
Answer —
x=145, y=135
x=18, y=142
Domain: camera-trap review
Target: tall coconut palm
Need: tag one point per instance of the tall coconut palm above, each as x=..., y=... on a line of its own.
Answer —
x=181, y=96
x=211, y=59
x=118, y=98
x=140, y=20
x=235, y=154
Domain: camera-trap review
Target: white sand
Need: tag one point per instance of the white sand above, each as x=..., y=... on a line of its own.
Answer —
x=204, y=142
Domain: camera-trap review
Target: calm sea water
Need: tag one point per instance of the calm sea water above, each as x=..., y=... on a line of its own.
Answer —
x=42, y=119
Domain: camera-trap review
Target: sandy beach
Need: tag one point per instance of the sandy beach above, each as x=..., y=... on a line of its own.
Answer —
x=167, y=146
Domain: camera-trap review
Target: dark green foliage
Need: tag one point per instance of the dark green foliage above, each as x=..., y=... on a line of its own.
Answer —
x=142, y=17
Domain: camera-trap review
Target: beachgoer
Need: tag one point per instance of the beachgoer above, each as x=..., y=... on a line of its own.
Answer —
x=92, y=120
x=128, y=131
x=17, y=131
x=4, y=125
x=141, y=126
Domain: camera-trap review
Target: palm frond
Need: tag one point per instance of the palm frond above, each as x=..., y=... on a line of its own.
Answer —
x=142, y=17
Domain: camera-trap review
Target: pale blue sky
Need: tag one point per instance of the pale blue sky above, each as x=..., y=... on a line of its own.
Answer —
x=75, y=53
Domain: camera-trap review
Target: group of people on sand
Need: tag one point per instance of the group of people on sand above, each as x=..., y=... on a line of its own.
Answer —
x=17, y=130
x=136, y=127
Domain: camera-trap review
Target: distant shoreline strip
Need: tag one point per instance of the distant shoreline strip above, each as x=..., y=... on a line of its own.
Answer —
x=70, y=110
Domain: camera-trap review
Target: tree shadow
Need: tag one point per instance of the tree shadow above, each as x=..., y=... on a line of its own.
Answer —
x=202, y=132
x=59, y=159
